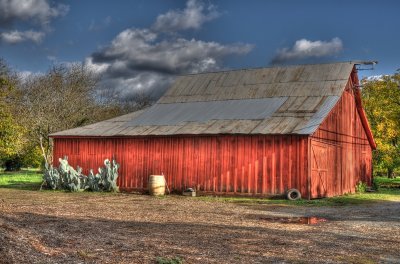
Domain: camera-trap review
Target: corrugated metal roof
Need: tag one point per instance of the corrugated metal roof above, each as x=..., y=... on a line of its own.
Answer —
x=176, y=113
x=278, y=100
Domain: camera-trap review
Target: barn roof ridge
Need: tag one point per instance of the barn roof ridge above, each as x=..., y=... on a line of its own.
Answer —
x=271, y=66
x=291, y=99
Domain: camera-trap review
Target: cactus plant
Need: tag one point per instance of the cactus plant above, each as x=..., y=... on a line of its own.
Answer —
x=67, y=178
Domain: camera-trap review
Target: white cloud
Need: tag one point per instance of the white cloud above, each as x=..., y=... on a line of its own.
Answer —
x=24, y=75
x=192, y=17
x=38, y=10
x=15, y=36
x=33, y=14
x=97, y=68
x=149, y=83
x=141, y=59
x=140, y=50
x=52, y=58
x=376, y=77
x=303, y=49
x=147, y=60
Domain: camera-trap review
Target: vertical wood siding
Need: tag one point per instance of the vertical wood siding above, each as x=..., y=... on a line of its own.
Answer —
x=341, y=155
x=251, y=165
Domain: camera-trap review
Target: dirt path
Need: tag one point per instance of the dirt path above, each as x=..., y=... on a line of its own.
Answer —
x=56, y=227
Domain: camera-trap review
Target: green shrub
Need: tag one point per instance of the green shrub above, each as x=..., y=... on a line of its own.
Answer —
x=361, y=187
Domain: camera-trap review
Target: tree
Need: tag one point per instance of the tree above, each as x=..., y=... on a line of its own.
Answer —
x=11, y=134
x=63, y=98
x=381, y=100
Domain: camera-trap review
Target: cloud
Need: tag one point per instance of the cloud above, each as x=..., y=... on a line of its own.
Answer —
x=23, y=10
x=140, y=50
x=33, y=14
x=100, y=26
x=124, y=89
x=52, y=58
x=192, y=17
x=15, y=36
x=147, y=60
x=303, y=49
x=140, y=59
x=24, y=75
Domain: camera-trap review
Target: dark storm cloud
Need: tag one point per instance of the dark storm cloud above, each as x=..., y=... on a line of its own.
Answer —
x=142, y=59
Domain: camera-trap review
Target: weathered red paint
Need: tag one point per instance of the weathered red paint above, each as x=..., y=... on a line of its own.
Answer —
x=330, y=162
x=341, y=148
x=232, y=164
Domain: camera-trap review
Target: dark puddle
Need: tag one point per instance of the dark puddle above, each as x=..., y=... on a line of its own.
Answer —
x=309, y=220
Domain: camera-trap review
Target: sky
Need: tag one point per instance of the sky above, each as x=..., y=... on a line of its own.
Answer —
x=142, y=45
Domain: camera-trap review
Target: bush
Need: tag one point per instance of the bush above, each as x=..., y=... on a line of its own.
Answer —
x=13, y=164
x=361, y=187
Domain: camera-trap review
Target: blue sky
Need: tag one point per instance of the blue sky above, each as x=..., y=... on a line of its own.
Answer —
x=142, y=45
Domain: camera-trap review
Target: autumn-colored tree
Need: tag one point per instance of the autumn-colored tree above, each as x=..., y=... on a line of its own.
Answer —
x=11, y=134
x=381, y=100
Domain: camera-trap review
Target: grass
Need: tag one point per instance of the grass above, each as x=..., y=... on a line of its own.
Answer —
x=388, y=191
x=384, y=181
x=31, y=179
x=348, y=199
x=25, y=179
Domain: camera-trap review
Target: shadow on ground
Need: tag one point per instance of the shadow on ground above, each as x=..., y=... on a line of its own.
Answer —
x=34, y=237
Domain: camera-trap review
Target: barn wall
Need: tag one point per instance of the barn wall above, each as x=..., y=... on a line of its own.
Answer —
x=341, y=155
x=252, y=165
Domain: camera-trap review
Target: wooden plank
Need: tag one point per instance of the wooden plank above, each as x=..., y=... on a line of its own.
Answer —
x=343, y=133
x=232, y=164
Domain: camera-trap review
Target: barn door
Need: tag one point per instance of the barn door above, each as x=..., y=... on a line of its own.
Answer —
x=319, y=170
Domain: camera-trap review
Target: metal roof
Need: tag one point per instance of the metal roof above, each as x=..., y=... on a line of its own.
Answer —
x=176, y=113
x=278, y=100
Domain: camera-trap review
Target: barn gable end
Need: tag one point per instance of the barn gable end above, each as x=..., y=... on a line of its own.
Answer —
x=341, y=148
x=249, y=132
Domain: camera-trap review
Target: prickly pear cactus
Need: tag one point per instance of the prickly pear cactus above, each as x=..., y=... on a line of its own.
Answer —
x=67, y=178
x=51, y=177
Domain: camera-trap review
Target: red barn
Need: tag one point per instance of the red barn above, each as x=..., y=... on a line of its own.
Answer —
x=255, y=131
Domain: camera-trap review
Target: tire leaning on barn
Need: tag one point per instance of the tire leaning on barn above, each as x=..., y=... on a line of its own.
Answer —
x=293, y=195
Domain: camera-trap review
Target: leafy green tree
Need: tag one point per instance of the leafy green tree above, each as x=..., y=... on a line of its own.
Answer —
x=11, y=133
x=381, y=100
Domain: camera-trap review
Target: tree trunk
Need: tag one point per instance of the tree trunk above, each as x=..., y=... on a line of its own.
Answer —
x=390, y=173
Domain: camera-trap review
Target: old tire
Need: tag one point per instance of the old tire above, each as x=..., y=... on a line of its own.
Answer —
x=293, y=195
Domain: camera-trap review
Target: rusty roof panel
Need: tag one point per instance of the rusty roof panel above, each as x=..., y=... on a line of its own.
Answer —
x=164, y=130
x=278, y=100
x=232, y=126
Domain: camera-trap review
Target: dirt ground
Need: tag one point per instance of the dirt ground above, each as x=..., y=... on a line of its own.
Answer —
x=58, y=227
